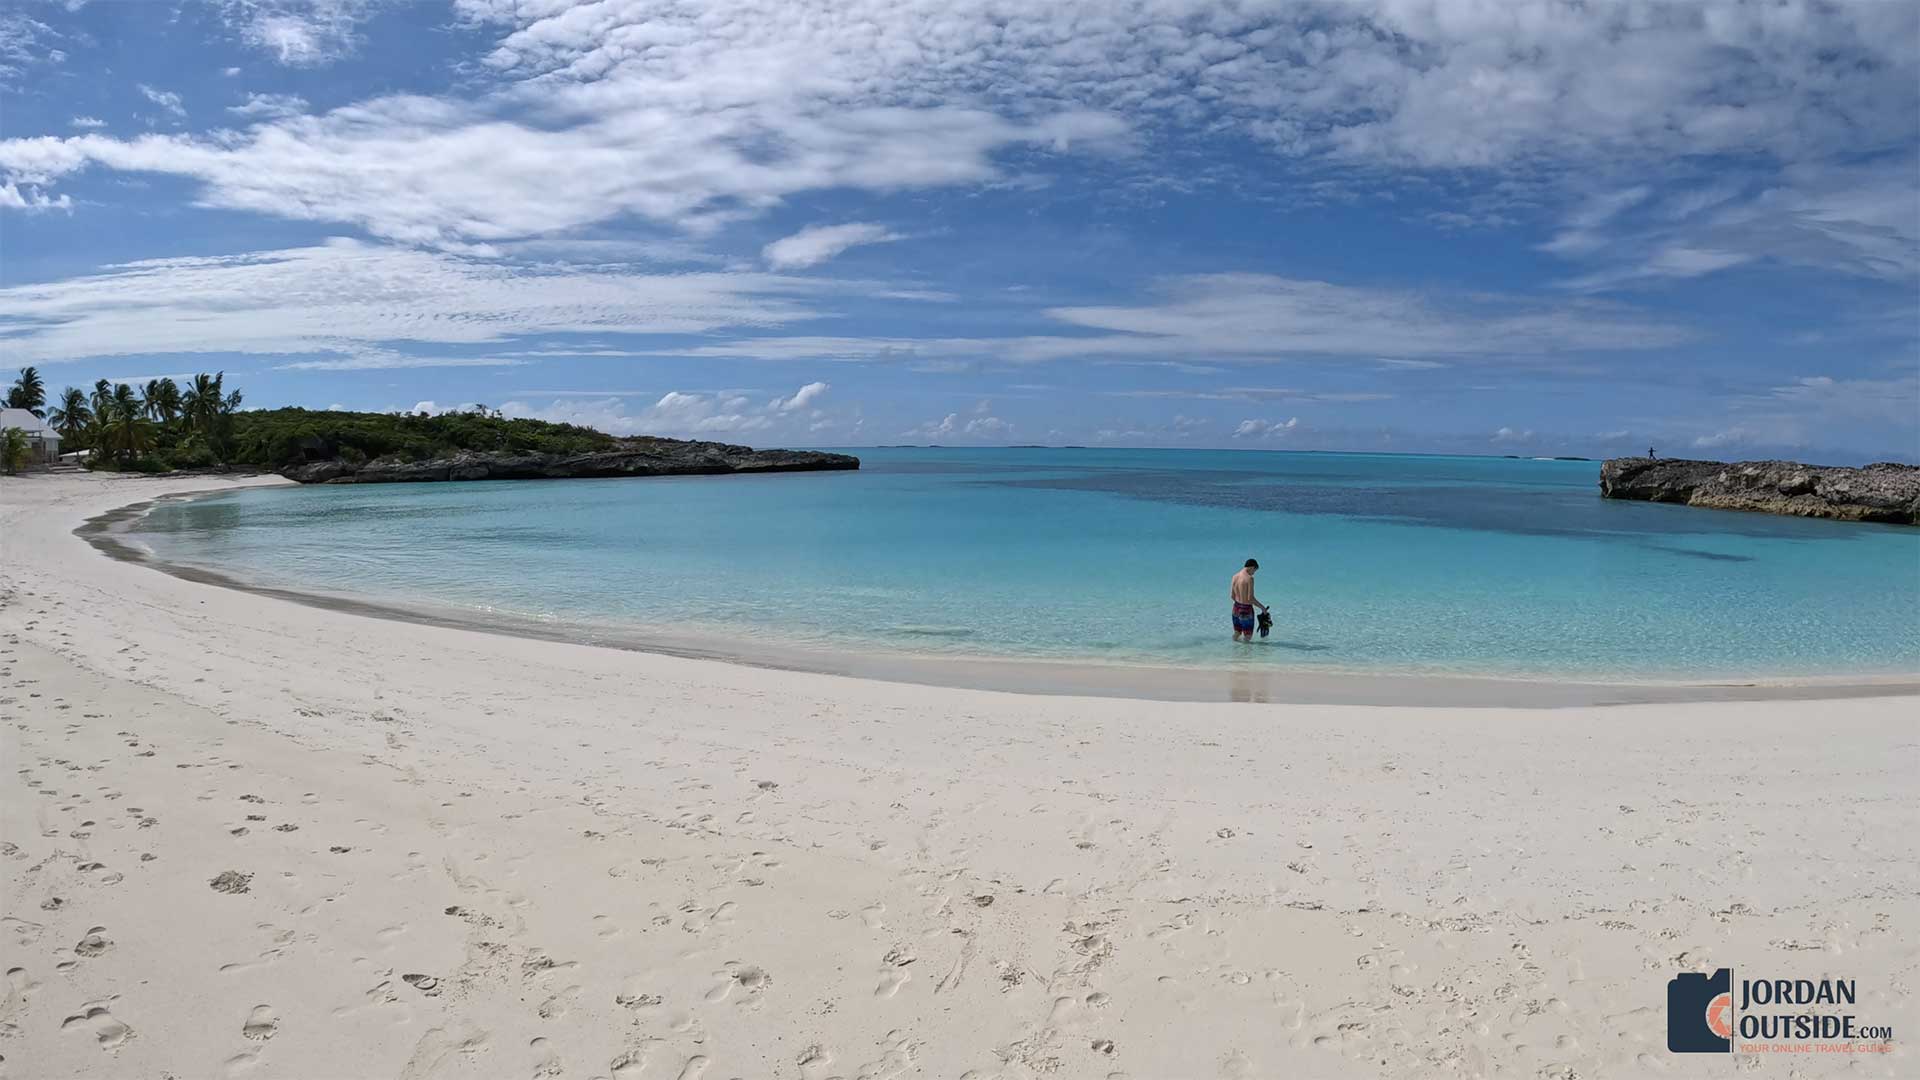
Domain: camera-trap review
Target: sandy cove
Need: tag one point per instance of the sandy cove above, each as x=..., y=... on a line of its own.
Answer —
x=245, y=837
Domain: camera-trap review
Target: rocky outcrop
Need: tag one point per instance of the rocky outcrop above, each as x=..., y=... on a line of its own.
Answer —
x=632, y=457
x=1885, y=491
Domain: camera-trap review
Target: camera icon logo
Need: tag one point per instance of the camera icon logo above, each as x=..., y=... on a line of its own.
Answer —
x=1700, y=1012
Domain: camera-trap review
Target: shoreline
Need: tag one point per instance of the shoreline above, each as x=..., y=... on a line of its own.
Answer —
x=1077, y=677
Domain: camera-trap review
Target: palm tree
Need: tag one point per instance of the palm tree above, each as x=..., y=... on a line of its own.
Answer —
x=71, y=416
x=127, y=428
x=101, y=403
x=209, y=410
x=161, y=400
x=28, y=392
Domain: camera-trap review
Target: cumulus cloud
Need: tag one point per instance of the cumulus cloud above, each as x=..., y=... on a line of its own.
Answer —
x=87, y=122
x=816, y=244
x=1510, y=435
x=345, y=297
x=1265, y=429
x=802, y=398
x=686, y=414
x=980, y=427
x=31, y=199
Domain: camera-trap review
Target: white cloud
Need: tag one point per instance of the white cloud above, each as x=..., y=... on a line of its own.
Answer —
x=166, y=99
x=364, y=358
x=1734, y=436
x=697, y=114
x=451, y=173
x=816, y=244
x=1858, y=220
x=344, y=297
x=1257, y=393
x=299, y=33
x=802, y=398
x=1510, y=435
x=1265, y=429
x=32, y=199
x=703, y=415
x=1259, y=318
x=269, y=106
x=980, y=426
x=25, y=42
x=1443, y=85
x=87, y=122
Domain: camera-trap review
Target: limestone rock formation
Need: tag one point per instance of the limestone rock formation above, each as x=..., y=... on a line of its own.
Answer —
x=1885, y=491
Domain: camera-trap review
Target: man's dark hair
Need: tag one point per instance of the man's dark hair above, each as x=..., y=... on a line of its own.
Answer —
x=1253, y=564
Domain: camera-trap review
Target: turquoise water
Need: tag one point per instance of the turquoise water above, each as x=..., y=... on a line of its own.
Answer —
x=1370, y=562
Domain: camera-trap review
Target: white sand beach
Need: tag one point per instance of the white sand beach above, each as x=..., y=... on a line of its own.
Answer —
x=251, y=838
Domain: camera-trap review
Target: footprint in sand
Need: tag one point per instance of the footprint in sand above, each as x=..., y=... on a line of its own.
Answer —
x=95, y=943
x=557, y=1006
x=631, y=1063
x=748, y=980
x=111, y=1033
x=635, y=995
x=546, y=1061
x=813, y=1062
x=872, y=916
x=20, y=984
x=891, y=980
x=261, y=1024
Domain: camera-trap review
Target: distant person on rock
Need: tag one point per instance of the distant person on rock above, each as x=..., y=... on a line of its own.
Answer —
x=1649, y=453
x=1241, y=590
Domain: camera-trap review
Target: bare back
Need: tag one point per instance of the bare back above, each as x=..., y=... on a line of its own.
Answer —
x=1241, y=588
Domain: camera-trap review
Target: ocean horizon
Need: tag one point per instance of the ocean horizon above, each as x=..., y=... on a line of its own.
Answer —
x=1372, y=563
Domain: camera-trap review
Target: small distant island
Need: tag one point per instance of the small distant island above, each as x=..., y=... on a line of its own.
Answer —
x=1885, y=491
x=161, y=427
x=644, y=455
x=336, y=447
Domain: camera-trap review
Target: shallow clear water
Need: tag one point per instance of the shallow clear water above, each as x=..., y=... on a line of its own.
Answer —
x=1372, y=562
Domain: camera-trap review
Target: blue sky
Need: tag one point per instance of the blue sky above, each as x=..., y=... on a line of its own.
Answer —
x=1463, y=227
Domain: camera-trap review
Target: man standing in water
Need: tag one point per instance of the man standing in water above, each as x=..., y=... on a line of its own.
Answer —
x=1241, y=589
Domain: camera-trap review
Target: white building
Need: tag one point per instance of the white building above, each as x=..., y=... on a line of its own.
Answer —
x=43, y=440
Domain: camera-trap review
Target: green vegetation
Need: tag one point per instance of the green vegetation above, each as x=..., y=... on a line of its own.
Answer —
x=13, y=449
x=276, y=438
x=164, y=426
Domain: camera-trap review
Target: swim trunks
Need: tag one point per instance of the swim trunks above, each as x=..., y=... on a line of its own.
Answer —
x=1242, y=618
